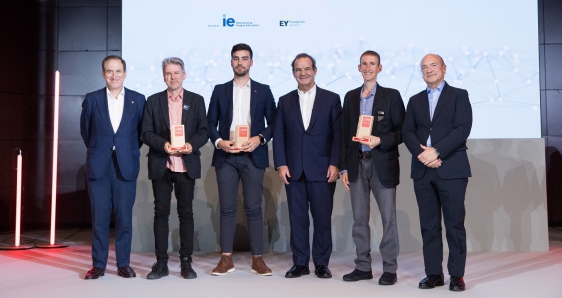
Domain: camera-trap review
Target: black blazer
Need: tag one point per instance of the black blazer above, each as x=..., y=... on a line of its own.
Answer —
x=313, y=150
x=388, y=127
x=156, y=132
x=449, y=129
x=262, y=105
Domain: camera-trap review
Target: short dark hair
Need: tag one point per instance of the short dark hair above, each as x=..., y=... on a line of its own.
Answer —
x=370, y=53
x=113, y=57
x=303, y=55
x=242, y=47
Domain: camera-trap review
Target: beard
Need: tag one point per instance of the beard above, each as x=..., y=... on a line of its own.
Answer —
x=241, y=73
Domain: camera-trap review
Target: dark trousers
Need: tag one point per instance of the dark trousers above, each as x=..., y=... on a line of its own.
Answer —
x=162, y=188
x=319, y=195
x=438, y=196
x=112, y=193
x=236, y=168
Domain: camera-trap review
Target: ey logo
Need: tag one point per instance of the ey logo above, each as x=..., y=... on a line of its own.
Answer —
x=283, y=23
x=227, y=22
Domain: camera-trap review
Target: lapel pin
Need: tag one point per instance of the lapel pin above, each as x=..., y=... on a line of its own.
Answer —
x=132, y=102
x=186, y=107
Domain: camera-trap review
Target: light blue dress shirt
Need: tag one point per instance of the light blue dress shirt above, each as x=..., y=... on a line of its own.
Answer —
x=433, y=97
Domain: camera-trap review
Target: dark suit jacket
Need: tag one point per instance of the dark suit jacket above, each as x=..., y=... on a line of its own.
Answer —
x=262, y=105
x=99, y=137
x=388, y=127
x=156, y=132
x=449, y=129
x=311, y=151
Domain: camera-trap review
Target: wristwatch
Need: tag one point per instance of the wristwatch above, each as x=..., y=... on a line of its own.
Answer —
x=262, y=139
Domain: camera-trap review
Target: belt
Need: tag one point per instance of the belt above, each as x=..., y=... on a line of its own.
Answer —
x=366, y=154
x=114, y=153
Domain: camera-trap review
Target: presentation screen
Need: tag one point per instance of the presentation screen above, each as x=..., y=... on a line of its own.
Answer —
x=490, y=48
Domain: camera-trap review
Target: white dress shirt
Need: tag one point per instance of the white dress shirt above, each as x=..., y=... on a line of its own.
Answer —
x=115, y=108
x=306, y=101
x=240, y=108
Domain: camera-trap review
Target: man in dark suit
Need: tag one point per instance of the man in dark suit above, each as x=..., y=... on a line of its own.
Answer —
x=110, y=127
x=371, y=165
x=241, y=101
x=170, y=169
x=437, y=125
x=306, y=152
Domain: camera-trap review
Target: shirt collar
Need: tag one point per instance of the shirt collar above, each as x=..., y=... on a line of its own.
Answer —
x=371, y=94
x=121, y=93
x=311, y=91
x=177, y=98
x=248, y=85
x=439, y=88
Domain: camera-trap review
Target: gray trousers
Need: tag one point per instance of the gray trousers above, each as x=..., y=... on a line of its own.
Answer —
x=236, y=168
x=361, y=207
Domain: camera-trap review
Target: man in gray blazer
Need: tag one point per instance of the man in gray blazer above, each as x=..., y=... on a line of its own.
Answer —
x=169, y=169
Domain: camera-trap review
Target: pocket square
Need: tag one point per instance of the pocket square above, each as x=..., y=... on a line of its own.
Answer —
x=186, y=107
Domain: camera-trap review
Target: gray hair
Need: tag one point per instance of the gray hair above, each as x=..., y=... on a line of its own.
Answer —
x=173, y=60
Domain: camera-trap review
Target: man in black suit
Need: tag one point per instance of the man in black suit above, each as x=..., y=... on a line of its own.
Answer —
x=371, y=165
x=169, y=169
x=241, y=101
x=306, y=152
x=437, y=125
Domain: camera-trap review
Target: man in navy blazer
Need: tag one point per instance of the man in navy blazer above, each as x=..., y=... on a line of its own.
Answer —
x=306, y=152
x=437, y=125
x=110, y=127
x=241, y=101
x=174, y=170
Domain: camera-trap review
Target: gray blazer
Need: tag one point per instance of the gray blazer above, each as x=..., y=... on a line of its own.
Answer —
x=155, y=132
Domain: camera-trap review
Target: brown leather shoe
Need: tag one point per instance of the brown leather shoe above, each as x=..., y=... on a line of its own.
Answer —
x=126, y=272
x=225, y=266
x=94, y=273
x=259, y=267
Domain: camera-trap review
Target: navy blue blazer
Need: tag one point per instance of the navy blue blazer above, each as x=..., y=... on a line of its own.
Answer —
x=262, y=105
x=313, y=150
x=388, y=110
x=99, y=137
x=449, y=130
x=156, y=132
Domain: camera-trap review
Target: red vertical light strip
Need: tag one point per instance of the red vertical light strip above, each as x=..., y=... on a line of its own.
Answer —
x=18, y=202
x=55, y=158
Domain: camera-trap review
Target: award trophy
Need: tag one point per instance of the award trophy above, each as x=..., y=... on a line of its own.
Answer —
x=364, y=128
x=241, y=136
x=177, y=138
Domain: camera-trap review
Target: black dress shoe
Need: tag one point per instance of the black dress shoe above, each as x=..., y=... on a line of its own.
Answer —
x=126, y=272
x=297, y=271
x=457, y=284
x=358, y=275
x=94, y=273
x=387, y=279
x=159, y=269
x=432, y=281
x=186, y=271
x=323, y=272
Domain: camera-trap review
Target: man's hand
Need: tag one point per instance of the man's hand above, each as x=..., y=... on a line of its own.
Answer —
x=168, y=148
x=333, y=174
x=227, y=146
x=428, y=155
x=435, y=164
x=188, y=149
x=284, y=174
x=344, y=180
x=251, y=144
x=373, y=142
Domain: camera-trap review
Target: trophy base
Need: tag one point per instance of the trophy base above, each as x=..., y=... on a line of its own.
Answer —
x=178, y=148
x=358, y=139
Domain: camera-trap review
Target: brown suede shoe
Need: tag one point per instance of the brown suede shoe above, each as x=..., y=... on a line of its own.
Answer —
x=259, y=267
x=225, y=266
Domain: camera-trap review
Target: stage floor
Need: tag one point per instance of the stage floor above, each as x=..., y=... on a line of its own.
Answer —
x=60, y=273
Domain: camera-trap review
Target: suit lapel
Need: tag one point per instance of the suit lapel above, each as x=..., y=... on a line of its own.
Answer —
x=163, y=99
x=355, y=112
x=128, y=105
x=297, y=107
x=230, y=100
x=378, y=105
x=253, y=99
x=101, y=101
x=424, y=105
x=316, y=107
x=186, y=108
x=442, y=100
